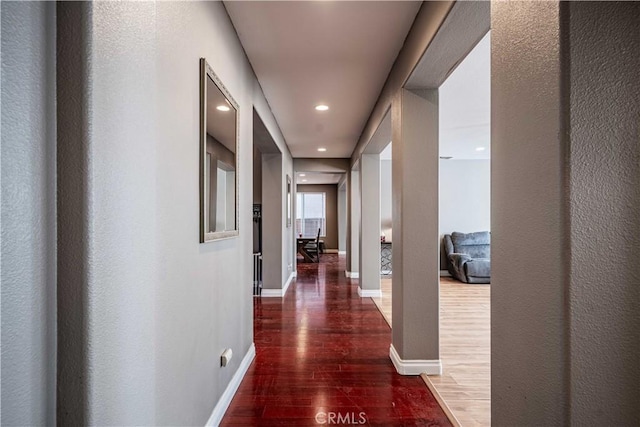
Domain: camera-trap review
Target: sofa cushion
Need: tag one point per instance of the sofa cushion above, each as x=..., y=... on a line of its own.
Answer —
x=476, y=245
x=479, y=267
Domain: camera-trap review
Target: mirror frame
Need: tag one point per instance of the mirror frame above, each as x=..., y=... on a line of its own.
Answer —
x=207, y=72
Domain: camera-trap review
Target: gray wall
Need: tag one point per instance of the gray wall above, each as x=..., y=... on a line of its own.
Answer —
x=28, y=213
x=465, y=198
x=156, y=307
x=565, y=198
x=353, y=225
x=415, y=281
x=369, y=267
x=342, y=218
x=272, y=213
x=331, y=195
x=604, y=187
x=528, y=333
x=257, y=176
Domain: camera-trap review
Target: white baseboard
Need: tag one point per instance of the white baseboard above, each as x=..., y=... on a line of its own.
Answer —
x=331, y=251
x=352, y=274
x=372, y=293
x=444, y=273
x=279, y=293
x=342, y=252
x=415, y=367
x=225, y=400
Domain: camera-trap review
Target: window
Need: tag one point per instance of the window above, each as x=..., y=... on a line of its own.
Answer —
x=310, y=214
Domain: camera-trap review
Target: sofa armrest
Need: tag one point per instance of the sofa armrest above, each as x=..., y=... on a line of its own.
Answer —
x=457, y=262
x=456, y=265
x=459, y=259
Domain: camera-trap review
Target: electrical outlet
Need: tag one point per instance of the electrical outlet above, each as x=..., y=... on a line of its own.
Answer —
x=226, y=357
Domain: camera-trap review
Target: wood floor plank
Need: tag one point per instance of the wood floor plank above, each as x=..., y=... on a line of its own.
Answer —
x=465, y=348
x=323, y=349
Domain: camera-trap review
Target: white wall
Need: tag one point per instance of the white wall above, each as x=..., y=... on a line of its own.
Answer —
x=28, y=214
x=386, y=202
x=160, y=307
x=465, y=197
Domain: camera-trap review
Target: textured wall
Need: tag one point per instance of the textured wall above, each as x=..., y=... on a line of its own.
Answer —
x=158, y=307
x=566, y=198
x=28, y=213
x=528, y=251
x=604, y=289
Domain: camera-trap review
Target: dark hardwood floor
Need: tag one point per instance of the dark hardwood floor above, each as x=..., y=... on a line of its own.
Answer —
x=322, y=357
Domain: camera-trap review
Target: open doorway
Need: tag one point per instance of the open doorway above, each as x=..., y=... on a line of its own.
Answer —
x=465, y=222
x=267, y=210
x=464, y=202
x=317, y=215
x=386, y=233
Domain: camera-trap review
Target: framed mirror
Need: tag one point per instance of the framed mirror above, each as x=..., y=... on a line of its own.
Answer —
x=218, y=158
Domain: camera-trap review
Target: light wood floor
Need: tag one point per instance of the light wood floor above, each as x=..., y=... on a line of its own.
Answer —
x=465, y=349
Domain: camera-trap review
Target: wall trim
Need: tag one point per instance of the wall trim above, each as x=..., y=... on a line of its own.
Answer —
x=331, y=251
x=445, y=273
x=414, y=367
x=369, y=293
x=342, y=252
x=352, y=274
x=225, y=400
x=275, y=293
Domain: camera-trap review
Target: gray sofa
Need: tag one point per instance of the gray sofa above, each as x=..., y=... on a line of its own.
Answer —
x=469, y=256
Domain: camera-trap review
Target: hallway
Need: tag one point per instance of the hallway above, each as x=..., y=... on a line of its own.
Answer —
x=323, y=352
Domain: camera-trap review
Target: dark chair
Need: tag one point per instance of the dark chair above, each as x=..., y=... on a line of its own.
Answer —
x=469, y=256
x=313, y=248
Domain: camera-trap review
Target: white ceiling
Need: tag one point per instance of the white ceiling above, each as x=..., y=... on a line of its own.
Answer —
x=465, y=106
x=318, y=178
x=306, y=53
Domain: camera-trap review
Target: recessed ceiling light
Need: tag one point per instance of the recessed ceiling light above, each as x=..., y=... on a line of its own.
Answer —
x=222, y=108
x=322, y=149
x=480, y=149
x=302, y=174
x=322, y=107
